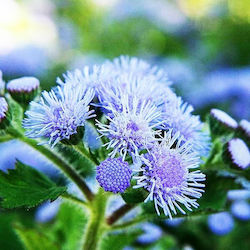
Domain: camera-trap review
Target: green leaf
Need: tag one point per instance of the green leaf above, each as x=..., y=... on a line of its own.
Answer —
x=117, y=241
x=133, y=196
x=35, y=240
x=69, y=227
x=25, y=186
x=216, y=189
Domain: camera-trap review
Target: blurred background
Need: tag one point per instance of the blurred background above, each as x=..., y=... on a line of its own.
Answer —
x=203, y=45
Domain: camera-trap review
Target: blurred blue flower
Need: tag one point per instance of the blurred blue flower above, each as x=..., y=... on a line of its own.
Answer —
x=241, y=210
x=174, y=222
x=221, y=223
x=12, y=150
x=151, y=233
x=28, y=60
x=238, y=194
x=47, y=211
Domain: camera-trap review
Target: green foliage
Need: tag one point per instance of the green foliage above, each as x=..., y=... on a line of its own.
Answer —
x=8, y=238
x=25, y=186
x=69, y=227
x=132, y=196
x=117, y=241
x=35, y=240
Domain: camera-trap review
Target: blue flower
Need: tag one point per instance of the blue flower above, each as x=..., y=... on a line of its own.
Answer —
x=221, y=223
x=114, y=175
x=144, y=89
x=241, y=210
x=167, y=174
x=136, y=67
x=178, y=116
x=23, y=84
x=59, y=113
x=3, y=108
x=130, y=129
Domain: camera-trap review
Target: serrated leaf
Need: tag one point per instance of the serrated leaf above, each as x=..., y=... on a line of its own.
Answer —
x=35, y=240
x=117, y=241
x=69, y=227
x=25, y=186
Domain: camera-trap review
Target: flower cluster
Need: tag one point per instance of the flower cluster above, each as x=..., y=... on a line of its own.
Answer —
x=143, y=121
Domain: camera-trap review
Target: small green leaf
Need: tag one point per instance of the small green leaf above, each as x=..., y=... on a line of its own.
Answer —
x=25, y=186
x=118, y=241
x=133, y=196
x=35, y=240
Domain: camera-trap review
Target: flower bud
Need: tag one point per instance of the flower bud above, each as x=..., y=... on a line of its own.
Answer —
x=236, y=154
x=243, y=131
x=23, y=89
x=221, y=123
x=114, y=175
x=4, y=113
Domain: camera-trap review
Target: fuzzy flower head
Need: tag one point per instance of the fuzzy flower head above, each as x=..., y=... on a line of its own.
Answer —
x=132, y=65
x=167, y=174
x=132, y=128
x=114, y=175
x=59, y=114
x=238, y=153
x=178, y=116
x=3, y=108
x=88, y=77
x=144, y=89
x=23, y=84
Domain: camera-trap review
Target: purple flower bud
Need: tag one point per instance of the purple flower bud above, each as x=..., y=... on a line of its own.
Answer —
x=114, y=175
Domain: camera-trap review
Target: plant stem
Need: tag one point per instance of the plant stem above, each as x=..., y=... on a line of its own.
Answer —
x=74, y=199
x=61, y=164
x=117, y=214
x=96, y=226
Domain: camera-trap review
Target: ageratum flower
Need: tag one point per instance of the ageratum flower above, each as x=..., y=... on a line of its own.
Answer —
x=88, y=77
x=167, y=173
x=23, y=89
x=221, y=223
x=132, y=128
x=59, y=115
x=241, y=210
x=3, y=112
x=144, y=89
x=136, y=67
x=178, y=116
x=114, y=175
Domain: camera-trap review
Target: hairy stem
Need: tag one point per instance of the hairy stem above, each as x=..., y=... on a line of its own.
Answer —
x=74, y=199
x=96, y=226
x=117, y=214
x=60, y=163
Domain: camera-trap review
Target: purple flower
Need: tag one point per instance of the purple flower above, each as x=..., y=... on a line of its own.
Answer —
x=58, y=115
x=114, y=175
x=23, y=84
x=131, y=128
x=3, y=108
x=167, y=173
x=178, y=116
x=221, y=223
x=238, y=153
x=241, y=210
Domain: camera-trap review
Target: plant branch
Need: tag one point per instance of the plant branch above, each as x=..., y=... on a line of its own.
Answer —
x=117, y=214
x=61, y=164
x=74, y=199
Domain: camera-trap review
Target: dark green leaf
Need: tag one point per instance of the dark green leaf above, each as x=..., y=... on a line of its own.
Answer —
x=25, y=186
x=117, y=241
